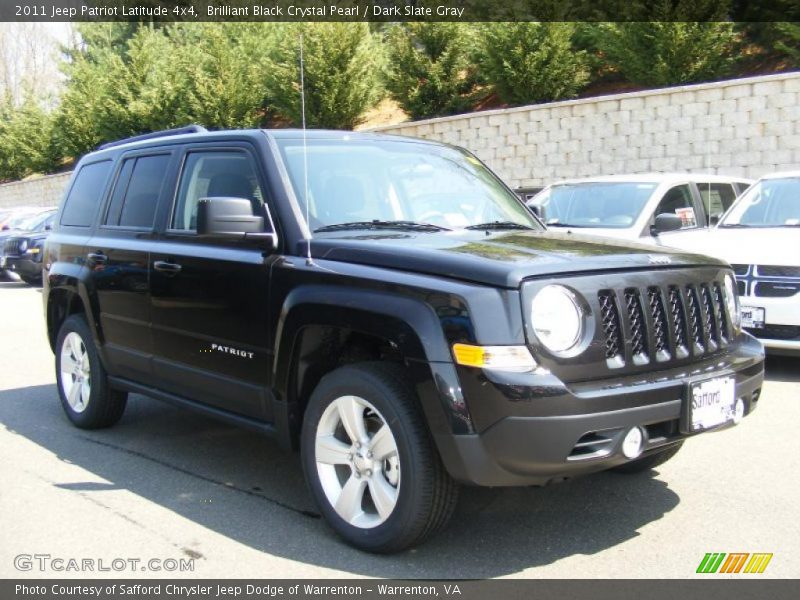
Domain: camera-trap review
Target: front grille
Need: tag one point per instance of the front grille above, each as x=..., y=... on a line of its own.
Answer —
x=740, y=269
x=777, y=271
x=662, y=323
x=11, y=247
x=777, y=332
x=771, y=289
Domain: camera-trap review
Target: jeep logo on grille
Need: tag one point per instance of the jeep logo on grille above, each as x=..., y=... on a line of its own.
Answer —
x=660, y=259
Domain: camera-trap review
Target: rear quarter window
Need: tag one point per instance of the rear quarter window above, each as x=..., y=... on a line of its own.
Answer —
x=84, y=197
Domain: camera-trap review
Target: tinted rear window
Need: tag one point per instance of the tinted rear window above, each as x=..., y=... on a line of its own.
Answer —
x=86, y=193
x=138, y=188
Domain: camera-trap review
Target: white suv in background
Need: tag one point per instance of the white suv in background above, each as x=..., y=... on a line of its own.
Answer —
x=760, y=237
x=638, y=207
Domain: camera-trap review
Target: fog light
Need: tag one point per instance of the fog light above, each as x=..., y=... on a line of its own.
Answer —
x=633, y=444
x=738, y=412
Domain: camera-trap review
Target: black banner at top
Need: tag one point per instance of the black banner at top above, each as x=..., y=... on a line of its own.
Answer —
x=399, y=10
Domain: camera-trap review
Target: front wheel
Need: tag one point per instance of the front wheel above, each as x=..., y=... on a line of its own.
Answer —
x=370, y=462
x=86, y=396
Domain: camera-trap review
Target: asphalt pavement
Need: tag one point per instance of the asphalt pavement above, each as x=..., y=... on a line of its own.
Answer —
x=168, y=486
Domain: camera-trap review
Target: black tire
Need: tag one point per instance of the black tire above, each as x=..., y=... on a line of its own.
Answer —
x=648, y=462
x=105, y=405
x=426, y=495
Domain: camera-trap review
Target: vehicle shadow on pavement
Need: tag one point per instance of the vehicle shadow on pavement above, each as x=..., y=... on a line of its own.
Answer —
x=782, y=368
x=246, y=488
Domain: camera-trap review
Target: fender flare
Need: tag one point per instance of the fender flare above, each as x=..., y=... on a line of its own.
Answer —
x=409, y=323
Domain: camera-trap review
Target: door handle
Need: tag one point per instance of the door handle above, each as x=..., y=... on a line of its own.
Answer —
x=97, y=258
x=167, y=268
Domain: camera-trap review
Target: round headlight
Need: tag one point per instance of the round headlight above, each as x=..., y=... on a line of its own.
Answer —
x=732, y=302
x=23, y=245
x=557, y=318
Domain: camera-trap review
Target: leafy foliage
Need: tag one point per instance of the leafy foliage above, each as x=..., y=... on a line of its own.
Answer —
x=430, y=71
x=532, y=62
x=673, y=50
x=25, y=134
x=342, y=64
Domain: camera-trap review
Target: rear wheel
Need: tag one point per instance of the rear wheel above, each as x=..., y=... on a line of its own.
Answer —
x=648, y=462
x=370, y=462
x=86, y=396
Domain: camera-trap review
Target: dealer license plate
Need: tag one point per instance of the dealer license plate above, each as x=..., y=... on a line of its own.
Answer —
x=752, y=317
x=711, y=402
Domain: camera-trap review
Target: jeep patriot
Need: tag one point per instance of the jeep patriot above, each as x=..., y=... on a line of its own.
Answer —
x=390, y=309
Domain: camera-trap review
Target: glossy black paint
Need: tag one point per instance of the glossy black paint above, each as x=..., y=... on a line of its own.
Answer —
x=244, y=331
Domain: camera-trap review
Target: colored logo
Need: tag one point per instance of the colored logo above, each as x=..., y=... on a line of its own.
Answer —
x=735, y=562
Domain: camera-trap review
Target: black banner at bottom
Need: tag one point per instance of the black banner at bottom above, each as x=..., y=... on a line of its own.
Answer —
x=367, y=589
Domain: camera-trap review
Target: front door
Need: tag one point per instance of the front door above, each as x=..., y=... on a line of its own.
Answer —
x=209, y=298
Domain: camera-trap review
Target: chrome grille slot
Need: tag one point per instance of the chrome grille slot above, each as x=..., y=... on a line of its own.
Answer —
x=638, y=327
x=696, y=325
x=710, y=327
x=724, y=334
x=660, y=326
x=611, y=329
x=678, y=313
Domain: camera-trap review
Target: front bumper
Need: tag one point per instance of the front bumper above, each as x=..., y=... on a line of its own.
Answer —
x=781, y=334
x=549, y=432
x=22, y=265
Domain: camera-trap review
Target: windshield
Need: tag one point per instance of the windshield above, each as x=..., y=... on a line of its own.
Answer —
x=25, y=221
x=594, y=204
x=768, y=203
x=398, y=184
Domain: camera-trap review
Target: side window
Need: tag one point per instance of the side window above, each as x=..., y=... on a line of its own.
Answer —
x=716, y=197
x=208, y=174
x=678, y=201
x=135, y=196
x=84, y=198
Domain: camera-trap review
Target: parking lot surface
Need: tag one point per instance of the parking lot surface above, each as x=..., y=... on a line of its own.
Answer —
x=168, y=484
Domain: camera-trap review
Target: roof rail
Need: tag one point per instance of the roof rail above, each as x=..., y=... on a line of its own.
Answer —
x=155, y=134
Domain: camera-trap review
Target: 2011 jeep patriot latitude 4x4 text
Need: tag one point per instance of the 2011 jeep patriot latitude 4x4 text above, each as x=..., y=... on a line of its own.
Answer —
x=388, y=307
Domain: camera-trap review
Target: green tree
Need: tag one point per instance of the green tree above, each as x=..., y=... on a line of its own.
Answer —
x=119, y=90
x=25, y=139
x=532, y=62
x=690, y=41
x=342, y=61
x=225, y=68
x=430, y=70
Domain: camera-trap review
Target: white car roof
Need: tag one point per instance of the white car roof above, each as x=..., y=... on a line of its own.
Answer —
x=782, y=175
x=656, y=178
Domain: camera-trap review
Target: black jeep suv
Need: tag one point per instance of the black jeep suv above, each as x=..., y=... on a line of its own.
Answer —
x=388, y=307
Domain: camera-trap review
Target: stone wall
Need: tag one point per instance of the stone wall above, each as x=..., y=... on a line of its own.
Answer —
x=744, y=127
x=39, y=191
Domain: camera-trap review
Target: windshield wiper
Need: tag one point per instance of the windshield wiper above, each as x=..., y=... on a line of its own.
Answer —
x=498, y=225
x=378, y=224
x=558, y=224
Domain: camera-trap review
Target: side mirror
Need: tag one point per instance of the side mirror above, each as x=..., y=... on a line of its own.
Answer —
x=231, y=219
x=538, y=210
x=666, y=222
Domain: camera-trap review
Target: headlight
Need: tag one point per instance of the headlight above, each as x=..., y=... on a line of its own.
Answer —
x=556, y=318
x=732, y=302
x=23, y=245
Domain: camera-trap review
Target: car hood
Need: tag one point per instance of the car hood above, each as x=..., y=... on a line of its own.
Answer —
x=501, y=259
x=759, y=246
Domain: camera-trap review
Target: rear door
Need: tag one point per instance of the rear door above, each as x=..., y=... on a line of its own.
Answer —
x=210, y=298
x=715, y=199
x=118, y=256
